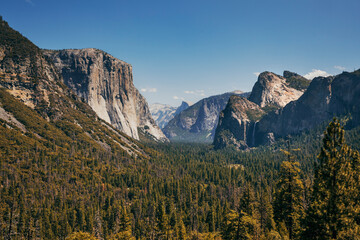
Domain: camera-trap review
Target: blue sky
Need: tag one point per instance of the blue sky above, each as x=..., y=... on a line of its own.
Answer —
x=193, y=49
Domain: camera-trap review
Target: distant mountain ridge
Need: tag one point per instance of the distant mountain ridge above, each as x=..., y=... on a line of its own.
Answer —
x=163, y=113
x=198, y=122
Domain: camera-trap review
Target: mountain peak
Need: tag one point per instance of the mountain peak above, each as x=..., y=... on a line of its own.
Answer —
x=273, y=90
x=288, y=74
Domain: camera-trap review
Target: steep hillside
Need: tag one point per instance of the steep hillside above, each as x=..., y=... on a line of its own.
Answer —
x=106, y=84
x=54, y=115
x=198, y=122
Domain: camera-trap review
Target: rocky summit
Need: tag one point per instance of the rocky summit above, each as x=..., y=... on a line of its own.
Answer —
x=325, y=98
x=273, y=90
x=106, y=84
x=238, y=123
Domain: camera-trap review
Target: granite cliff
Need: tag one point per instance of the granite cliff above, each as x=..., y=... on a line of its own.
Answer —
x=239, y=121
x=106, y=84
x=37, y=105
x=326, y=97
x=273, y=90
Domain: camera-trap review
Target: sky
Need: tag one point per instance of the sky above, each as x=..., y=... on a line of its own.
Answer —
x=191, y=49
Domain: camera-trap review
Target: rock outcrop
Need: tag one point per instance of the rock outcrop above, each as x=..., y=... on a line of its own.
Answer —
x=163, y=113
x=198, y=122
x=273, y=90
x=106, y=84
x=325, y=98
x=237, y=123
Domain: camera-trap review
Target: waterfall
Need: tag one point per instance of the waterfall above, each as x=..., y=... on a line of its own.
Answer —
x=253, y=135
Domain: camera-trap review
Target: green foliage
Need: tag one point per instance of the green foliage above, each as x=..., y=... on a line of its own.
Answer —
x=240, y=226
x=20, y=47
x=288, y=202
x=335, y=207
x=299, y=83
x=56, y=178
x=81, y=236
x=254, y=114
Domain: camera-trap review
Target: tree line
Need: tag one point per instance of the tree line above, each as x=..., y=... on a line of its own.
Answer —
x=181, y=192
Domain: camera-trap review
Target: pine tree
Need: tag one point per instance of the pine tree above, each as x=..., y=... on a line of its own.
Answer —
x=242, y=224
x=266, y=216
x=288, y=202
x=181, y=230
x=162, y=221
x=334, y=209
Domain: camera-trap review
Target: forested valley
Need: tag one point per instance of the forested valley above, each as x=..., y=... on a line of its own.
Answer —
x=305, y=187
x=67, y=174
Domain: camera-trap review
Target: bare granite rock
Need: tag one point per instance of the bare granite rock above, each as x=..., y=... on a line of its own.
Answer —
x=273, y=90
x=106, y=84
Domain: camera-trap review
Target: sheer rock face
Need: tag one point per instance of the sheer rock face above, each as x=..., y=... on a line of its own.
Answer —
x=273, y=90
x=324, y=99
x=32, y=78
x=106, y=84
x=308, y=111
x=237, y=123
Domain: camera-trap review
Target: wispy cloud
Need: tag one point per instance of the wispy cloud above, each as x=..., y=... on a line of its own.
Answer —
x=196, y=92
x=30, y=2
x=178, y=98
x=150, y=90
x=339, y=68
x=257, y=73
x=316, y=73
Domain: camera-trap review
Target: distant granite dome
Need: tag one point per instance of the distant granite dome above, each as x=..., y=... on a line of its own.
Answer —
x=198, y=122
x=106, y=84
x=273, y=90
x=163, y=113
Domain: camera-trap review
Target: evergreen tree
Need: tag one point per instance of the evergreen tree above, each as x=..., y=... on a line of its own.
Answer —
x=81, y=236
x=162, y=221
x=266, y=215
x=242, y=224
x=288, y=202
x=334, y=209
